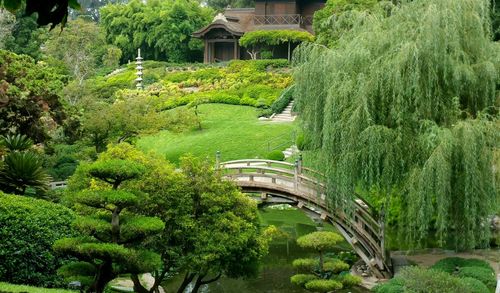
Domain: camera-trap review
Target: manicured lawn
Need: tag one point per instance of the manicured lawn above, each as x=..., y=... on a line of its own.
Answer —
x=233, y=130
x=6, y=287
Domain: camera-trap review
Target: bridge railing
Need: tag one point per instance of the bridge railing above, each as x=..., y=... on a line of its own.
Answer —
x=308, y=186
x=293, y=177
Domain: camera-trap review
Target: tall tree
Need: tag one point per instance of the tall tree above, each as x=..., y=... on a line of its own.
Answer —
x=25, y=37
x=222, y=4
x=112, y=235
x=211, y=229
x=407, y=104
x=81, y=46
x=161, y=29
x=29, y=97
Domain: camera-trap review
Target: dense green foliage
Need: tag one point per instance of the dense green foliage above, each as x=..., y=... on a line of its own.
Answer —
x=24, y=37
x=339, y=16
x=418, y=280
x=111, y=232
x=451, y=264
x=200, y=209
x=80, y=50
x=222, y=4
x=409, y=112
x=28, y=228
x=29, y=97
x=129, y=27
x=257, y=40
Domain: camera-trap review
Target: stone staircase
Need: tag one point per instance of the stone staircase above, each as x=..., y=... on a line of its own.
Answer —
x=290, y=151
x=285, y=116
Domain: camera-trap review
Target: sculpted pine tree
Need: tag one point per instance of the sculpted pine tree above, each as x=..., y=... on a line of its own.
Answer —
x=408, y=105
x=111, y=232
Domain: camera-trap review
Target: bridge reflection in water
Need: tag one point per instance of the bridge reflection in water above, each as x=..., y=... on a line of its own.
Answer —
x=282, y=182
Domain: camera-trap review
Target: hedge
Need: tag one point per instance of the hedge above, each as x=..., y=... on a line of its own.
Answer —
x=275, y=156
x=28, y=229
x=284, y=100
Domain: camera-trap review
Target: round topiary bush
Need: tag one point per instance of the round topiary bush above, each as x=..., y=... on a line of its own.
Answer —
x=302, y=279
x=475, y=286
x=349, y=280
x=323, y=286
x=484, y=275
x=28, y=229
x=275, y=156
x=451, y=264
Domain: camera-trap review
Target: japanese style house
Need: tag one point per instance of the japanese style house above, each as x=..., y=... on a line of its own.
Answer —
x=221, y=37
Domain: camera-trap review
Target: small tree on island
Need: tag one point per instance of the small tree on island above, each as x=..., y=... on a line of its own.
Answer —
x=322, y=274
x=111, y=233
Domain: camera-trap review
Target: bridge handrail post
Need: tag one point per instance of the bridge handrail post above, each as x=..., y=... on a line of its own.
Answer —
x=217, y=160
x=296, y=175
x=382, y=232
x=300, y=164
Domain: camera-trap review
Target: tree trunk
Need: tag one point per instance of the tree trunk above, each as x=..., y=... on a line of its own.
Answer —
x=115, y=225
x=187, y=279
x=104, y=276
x=289, y=52
x=321, y=261
x=137, y=284
x=198, y=284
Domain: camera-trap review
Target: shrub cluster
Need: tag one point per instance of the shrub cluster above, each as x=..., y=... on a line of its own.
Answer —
x=28, y=229
x=275, y=156
x=452, y=274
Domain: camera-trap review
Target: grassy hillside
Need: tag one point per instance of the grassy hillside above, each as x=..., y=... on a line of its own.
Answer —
x=233, y=130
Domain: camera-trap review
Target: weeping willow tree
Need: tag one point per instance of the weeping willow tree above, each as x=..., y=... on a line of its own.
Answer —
x=407, y=104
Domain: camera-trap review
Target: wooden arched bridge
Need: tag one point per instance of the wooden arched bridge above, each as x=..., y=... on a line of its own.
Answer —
x=282, y=182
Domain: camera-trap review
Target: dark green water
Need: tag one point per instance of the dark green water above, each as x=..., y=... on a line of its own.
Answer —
x=276, y=267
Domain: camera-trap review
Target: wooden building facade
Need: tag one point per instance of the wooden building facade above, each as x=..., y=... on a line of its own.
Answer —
x=221, y=37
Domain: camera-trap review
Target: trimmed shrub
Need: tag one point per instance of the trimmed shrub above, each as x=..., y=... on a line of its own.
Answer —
x=275, y=156
x=323, y=286
x=266, y=55
x=336, y=266
x=475, y=286
x=486, y=276
x=302, y=279
x=349, y=280
x=450, y=264
x=395, y=285
x=305, y=264
x=280, y=104
x=419, y=280
x=300, y=141
x=28, y=229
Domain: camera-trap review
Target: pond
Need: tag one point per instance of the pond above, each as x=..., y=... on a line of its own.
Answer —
x=276, y=267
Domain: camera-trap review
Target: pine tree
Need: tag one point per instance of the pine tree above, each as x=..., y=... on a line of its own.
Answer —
x=111, y=232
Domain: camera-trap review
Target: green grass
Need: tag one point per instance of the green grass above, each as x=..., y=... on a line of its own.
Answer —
x=233, y=130
x=6, y=287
